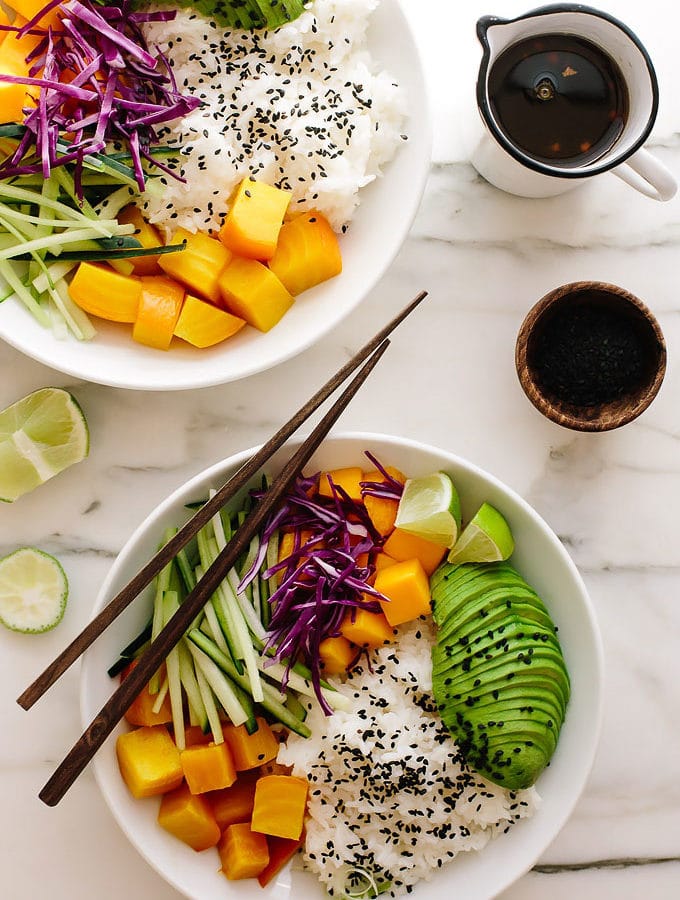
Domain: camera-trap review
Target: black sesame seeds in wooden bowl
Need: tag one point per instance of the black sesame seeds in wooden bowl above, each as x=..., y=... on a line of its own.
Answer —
x=590, y=356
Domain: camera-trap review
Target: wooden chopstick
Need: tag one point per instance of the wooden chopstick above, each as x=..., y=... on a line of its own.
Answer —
x=119, y=702
x=127, y=594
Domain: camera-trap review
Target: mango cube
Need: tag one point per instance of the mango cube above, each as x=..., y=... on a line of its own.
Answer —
x=367, y=629
x=199, y=265
x=244, y=853
x=335, y=654
x=251, y=292
x=208, y=768
x=280, y=803
x=204, y=325
x=235, y=804
x=149, y=761
x=254, y=220
x=100, y=291
x=148, y=237
x=189, y=818
x=349, y=479
x=401, y=545
x=251, y=750
x=407, y=589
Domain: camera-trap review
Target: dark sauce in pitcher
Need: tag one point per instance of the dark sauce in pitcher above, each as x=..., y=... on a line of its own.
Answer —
x=559, y=98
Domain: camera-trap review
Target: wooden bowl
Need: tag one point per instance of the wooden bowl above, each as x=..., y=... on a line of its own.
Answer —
x=602, y=416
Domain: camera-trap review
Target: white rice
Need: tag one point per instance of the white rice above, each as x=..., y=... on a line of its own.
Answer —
x=304, y=107
x=389, y=791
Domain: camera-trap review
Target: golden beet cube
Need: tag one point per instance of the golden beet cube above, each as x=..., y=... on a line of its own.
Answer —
x=280, y=803
x=149, y=761
x=190, y=818
x=199, y=265
x=254, y=220
x=208, y=768
x=251, y=292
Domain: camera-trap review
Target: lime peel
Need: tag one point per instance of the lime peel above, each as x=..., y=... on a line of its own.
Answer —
x=486, y=538
x=33, y=591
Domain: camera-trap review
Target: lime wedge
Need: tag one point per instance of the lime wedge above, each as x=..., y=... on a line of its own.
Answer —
x=486, y=538
x=430, y=508
x=33, y=591
x=40, y=435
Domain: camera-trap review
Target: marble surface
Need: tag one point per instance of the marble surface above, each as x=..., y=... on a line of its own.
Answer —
x=449, y=380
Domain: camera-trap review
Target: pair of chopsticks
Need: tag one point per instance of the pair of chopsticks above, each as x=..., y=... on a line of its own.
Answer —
x=119, y=702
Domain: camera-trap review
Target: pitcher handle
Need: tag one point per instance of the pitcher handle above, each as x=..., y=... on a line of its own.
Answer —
x=647, y=175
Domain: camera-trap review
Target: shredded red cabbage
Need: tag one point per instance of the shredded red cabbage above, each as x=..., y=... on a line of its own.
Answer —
x=99, y=84
x=325, y=576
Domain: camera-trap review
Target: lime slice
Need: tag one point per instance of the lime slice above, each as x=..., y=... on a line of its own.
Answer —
x=40, y=435
x=486, y=538
x=33, y=591
x=430, y=508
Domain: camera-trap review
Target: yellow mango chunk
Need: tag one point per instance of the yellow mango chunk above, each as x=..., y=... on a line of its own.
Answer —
x=28, y=9
x=148, y=237
x=149, y=761
x=407, y=588
x=160, y=304
x=381, y=510
x=249, y=290
x=383, y=561
x=401, y=545
x=253, y=223
x=208, y=768
x=244, y=853
x=13, y=53
x=251, y=750
x=336, y=655
x=280, y=803
x=189, y=818
x=367, y=629
x=199, y=265
x=307, y=253
x=100, y=291
x=348, y=479
x=235, y=804
x=204, y=325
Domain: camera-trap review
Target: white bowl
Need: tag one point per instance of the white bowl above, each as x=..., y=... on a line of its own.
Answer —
x=541, y=559
x=378, y=229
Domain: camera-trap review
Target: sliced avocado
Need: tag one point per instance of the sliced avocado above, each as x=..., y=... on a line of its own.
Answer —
x=244, y=14
x=497, y=659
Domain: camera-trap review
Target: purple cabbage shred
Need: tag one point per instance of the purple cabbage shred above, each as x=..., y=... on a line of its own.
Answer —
x=99, y=84
x=325, y=577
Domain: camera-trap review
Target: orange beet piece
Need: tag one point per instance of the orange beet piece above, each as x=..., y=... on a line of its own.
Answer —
x=254, y=220
x=367, y=629
x=335, y=654
x=208, y=767
x=251, y=750
x=100, y=291
x=149, y=761
x=189, y=818
x=280, y=803
x=148, y=236
x=348, y=479
x=244, y=853
x=141, y=711
x=407, y=588
x=250, y=291
x=235, y=804
x=204, y=325
x=281, y=851
x=401, y=545
x=307, y=253
x=194, y=735
x=159, y=308
x=198, y=266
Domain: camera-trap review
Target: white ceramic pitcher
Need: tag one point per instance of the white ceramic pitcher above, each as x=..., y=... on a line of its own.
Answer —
x=508, y=167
